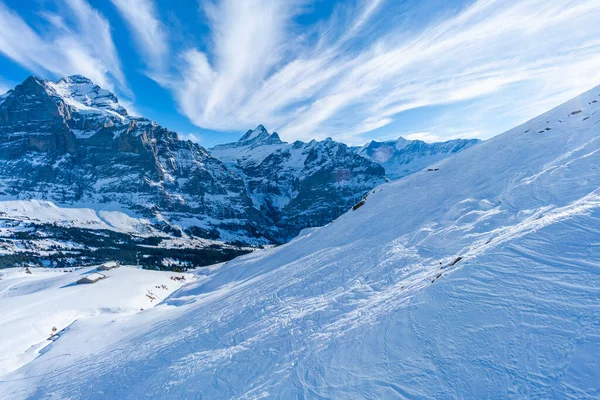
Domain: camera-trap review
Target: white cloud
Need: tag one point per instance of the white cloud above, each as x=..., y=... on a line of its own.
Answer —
x=78, y=42
x=334, y=88
x=424, y=136
x=194, y=137
x=148, y=31
x=247, y=38
x=251, y=74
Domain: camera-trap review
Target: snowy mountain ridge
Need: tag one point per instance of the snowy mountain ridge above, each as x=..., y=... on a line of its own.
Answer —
x=252, y=148
x=298, y=185
x=477, y=278
x=403, y=157
x=84, y=95
x=258, y=136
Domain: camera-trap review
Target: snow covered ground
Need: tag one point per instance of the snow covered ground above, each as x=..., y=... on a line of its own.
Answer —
x=29, y=227
x=39, y=307
x=479, y=278
x=46, y=212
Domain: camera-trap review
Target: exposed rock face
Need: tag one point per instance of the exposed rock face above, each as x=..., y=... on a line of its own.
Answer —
x=403, y=157
x=72, y=143
x=301, y=184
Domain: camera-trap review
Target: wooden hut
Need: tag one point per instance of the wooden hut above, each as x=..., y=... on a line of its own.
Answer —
x=108, y=266
x=91, y=278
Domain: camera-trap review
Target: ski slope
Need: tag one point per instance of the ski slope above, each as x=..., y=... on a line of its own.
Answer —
x=478, y=277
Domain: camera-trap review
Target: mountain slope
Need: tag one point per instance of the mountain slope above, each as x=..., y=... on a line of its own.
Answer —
x=299, y=185
x=478, y=279
x=403, y=157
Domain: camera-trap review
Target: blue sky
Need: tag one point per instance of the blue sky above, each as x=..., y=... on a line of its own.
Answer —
x=352, y=70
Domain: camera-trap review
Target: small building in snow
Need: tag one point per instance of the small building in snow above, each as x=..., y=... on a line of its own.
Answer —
x=91, y=278
x=108, y=266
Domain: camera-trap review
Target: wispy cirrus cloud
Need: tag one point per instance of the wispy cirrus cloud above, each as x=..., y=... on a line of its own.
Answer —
x=359, y=71
x=375, y=69
x=78, y=40
x=247, y=43
x=148, y=31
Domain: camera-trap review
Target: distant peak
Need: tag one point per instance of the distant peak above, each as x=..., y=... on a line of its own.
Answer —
x=260, y=135
x=32, y=79
x=402, y=143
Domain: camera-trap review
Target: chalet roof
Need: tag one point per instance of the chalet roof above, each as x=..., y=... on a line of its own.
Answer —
x=92, y=278
x=108, y=266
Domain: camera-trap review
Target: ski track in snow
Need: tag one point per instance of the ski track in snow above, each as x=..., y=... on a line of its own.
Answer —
x=478, y=280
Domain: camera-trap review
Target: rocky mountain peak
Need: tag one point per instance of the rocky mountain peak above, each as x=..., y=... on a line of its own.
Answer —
x=301, y=184
x=402, y=143
x=81, y=93
x=32, y=86
x=70, y=141
x=30, y=107
x=260, y=135
x=31, y=80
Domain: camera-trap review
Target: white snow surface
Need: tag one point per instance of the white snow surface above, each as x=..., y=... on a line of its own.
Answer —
x=31, y=305
x=46, y=212
x=378, y=304
x=82, y=94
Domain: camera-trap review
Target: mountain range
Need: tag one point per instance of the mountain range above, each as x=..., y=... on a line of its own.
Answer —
x=299, y=185
x=403, y=157
x=477, y=277
x=71, y=145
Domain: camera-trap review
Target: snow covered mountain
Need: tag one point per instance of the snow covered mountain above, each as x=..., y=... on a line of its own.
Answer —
x=298, y=185
x=403, y=157
x=479, y=278
x=71, y=143
x=302, y=185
